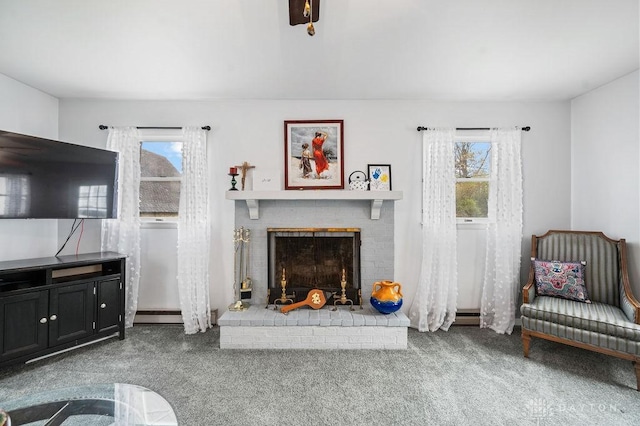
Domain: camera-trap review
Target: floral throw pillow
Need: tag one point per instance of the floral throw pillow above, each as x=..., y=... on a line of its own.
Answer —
x=561, y=279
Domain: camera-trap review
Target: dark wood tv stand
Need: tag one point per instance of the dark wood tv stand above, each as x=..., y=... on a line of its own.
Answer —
x=52, y=304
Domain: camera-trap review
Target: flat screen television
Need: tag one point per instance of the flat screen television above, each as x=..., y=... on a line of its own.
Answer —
x=46, y=179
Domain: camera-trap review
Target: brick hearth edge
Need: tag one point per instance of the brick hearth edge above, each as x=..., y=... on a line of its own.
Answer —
x=260, y=328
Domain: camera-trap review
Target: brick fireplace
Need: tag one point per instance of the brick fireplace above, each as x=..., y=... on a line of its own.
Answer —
x=304, y=328
x=376, y=236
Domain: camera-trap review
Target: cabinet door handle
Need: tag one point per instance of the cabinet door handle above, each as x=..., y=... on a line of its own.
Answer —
x=53, y=317
x=104, y=305
x=43, y=320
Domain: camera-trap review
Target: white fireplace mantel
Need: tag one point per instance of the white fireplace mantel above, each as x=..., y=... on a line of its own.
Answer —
x=253, y=198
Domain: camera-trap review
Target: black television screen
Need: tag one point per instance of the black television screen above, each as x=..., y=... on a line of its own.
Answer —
x=46, y=179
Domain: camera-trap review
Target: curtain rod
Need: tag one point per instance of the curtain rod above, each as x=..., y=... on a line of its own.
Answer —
x=103, y=127
x=524, y=129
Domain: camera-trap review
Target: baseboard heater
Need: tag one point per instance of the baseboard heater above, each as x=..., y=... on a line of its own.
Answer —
x=161, y=317
x=467, y=317
x=158, y=313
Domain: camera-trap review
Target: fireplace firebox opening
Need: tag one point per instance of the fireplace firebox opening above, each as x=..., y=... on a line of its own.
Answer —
x=309, y=258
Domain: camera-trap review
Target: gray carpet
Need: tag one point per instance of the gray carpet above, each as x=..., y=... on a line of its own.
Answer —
x=463, y=376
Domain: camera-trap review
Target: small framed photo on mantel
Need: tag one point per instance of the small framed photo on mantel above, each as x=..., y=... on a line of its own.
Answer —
x=379, y=177
x=313, y=154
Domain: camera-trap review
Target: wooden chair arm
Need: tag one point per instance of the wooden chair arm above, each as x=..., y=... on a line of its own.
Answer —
x=528, y=288
x=626, y=285
x=631, y=298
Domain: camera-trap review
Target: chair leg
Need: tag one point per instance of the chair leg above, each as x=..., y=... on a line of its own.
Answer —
x=526, y=341
x=636, y=365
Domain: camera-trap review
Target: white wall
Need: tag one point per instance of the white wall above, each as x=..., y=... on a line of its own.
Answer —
x=24, y=109
x=158, y=263
x=472, y=240
x=375, y=132
x=605, y=162
x=28, y=111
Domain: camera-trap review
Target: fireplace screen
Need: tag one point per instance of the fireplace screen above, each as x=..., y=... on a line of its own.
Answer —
x=314, y=258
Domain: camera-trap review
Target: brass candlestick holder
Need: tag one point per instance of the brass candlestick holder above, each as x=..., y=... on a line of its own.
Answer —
x=284, y=298
x=343, y=298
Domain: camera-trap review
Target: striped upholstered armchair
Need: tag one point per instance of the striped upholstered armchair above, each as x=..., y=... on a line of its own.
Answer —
x=578, y=293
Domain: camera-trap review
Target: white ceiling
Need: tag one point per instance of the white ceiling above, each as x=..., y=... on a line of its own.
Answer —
x=363, y=49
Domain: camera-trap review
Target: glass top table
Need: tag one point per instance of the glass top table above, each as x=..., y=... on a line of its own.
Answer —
x=104, y=404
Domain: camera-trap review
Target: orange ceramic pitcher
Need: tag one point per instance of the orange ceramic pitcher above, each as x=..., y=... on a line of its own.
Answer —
x=386, y=296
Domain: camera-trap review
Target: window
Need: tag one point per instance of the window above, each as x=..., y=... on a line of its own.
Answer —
x=473, y=167
x=161, y=173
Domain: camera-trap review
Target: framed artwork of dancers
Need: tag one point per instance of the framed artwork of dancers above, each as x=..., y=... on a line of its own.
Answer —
x=313, y=154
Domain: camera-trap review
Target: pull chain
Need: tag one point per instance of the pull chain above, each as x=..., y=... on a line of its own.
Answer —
x=310, y=29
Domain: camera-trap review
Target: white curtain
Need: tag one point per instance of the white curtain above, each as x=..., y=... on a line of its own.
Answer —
x=193, y=233
x=434, y=306
x=504, y=233
x=122, y=235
